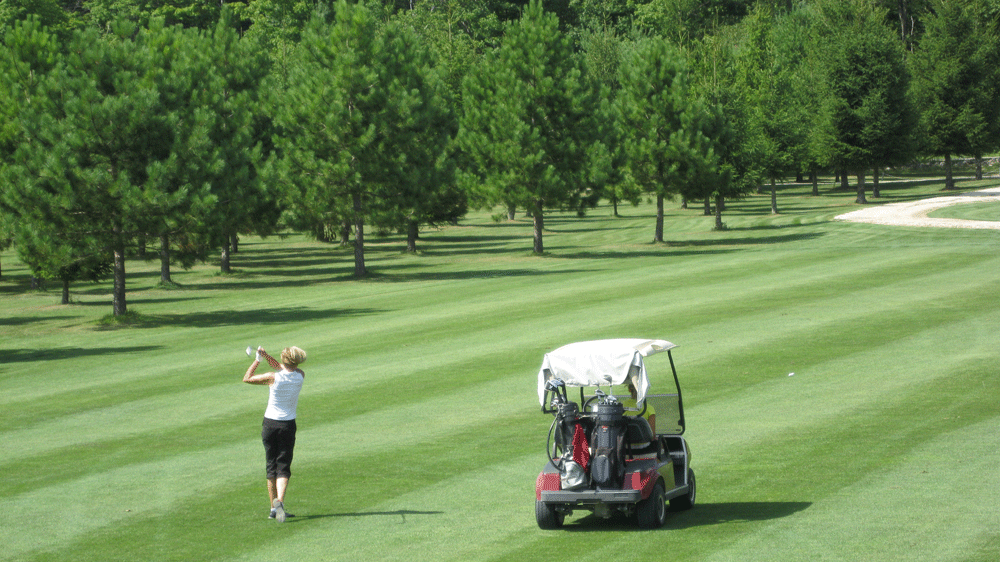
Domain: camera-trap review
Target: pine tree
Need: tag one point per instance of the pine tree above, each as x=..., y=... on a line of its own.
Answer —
x=364, y=122
x=529, y=133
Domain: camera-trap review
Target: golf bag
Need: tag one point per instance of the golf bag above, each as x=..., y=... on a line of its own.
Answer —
x=566, y=419
x=608, y=464
x=572, y=467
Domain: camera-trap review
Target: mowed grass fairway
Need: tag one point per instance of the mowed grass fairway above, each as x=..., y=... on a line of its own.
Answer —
x=420, y=435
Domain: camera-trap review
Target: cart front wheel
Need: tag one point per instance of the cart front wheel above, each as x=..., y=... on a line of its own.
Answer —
x=681, y=503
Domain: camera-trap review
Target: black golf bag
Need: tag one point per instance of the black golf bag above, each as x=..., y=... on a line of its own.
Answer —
x=566, y=420
x=608, y=464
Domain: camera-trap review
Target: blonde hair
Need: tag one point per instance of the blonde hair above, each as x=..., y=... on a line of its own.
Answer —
x=293, y=356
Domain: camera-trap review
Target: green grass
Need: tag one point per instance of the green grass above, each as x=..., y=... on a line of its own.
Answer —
x=420, y=436
x=988, y=211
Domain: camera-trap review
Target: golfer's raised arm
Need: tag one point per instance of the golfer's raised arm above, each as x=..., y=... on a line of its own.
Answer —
x=250, y=378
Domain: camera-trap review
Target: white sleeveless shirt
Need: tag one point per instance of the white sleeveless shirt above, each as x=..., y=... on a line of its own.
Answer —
x=283, y=396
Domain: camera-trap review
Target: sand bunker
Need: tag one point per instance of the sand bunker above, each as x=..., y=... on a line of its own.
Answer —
x=915, y=213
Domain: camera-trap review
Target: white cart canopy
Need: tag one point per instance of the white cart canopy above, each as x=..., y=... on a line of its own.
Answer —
x=600, y=363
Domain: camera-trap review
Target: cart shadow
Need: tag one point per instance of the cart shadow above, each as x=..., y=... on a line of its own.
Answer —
x=402, y=513
x=700, y=515
x=718, y=513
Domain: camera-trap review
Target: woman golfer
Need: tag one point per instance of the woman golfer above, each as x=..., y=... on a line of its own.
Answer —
x=278, y=431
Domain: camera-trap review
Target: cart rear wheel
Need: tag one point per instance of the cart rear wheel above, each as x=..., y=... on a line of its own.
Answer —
x=652, y=511
x=681, y=503
x=548, y=516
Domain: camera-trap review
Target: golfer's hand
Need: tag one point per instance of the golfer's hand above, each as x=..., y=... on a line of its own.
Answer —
x=259, y=356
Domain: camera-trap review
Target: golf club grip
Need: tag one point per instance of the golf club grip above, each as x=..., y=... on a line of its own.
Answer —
x=270, y=360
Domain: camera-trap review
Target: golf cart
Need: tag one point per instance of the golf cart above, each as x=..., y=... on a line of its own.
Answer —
x=602, y=454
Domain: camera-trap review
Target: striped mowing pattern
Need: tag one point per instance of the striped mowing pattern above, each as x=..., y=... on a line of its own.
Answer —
x=420, y=436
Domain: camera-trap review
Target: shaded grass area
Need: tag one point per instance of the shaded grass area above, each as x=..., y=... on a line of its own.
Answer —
x=420, y=436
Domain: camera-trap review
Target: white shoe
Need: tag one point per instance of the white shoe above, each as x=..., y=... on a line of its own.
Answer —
x=279, y=510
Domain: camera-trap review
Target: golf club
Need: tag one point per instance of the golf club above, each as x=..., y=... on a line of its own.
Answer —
x=270, y=360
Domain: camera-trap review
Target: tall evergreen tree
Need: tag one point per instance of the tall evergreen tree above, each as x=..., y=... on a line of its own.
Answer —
x=529, y=134
x=660, y=122
x=80, y=175
x=867, y=114
x=360, y=122
x=114, y=144
x=418, y=185
x=956, y=84
x=188, y=13
x=239, y=135
x=728, y=134
x=767, y=80
x=603, y=50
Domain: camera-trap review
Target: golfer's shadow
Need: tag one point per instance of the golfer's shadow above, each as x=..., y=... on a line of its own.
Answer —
x=402, y=513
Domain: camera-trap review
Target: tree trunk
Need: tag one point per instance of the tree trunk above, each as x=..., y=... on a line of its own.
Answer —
x=345, y=233
x=684, y=202
x=614, y=205
x=359, y=237
x=511, y=212
x=861, y=200
x=949, y=180
x=658, y=231
x=875, y=192
x=65, y=291
x=905, y=24
x=708, y=206
x=118, y=304
x=843, y=180
x=538, y=220
x=164, y=258
x=234, y=242
x=774, y=198
x=224, y=258
x=719, y=204
x=412, y=230
x=979, y=167
x=814, y=178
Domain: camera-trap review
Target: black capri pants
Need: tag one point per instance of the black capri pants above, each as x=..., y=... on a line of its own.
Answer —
x=279, y=443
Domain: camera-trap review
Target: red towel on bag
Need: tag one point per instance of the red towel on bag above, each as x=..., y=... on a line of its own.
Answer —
x=581, y=450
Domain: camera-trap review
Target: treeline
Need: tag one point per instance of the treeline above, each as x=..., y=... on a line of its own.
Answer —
x=128, y=125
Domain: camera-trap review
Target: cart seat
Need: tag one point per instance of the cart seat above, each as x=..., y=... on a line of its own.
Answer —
x=639, y=436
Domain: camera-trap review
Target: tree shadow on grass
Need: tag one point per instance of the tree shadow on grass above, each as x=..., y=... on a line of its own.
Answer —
x=721, y=244
x=214, y=319
x=786, y=209
x=25, y=320
x=699, y=516
x=475, y=245
x=55, y=354
x=390, y=275
x=663, y=251
x=753, y=241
